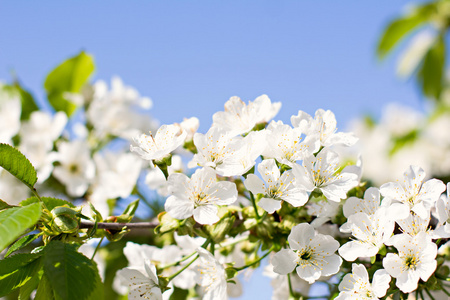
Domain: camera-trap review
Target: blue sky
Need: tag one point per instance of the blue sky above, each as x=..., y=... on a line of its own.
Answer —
x=191, y=56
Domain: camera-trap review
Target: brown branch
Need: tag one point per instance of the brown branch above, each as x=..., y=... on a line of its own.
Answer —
x=118, y=226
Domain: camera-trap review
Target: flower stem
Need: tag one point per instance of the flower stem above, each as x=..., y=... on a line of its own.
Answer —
x=256, y=261
x=184, y=258
x=98, y=247
x=252, y=198
x=182, y=269
x=429, y=294
x=291, y=291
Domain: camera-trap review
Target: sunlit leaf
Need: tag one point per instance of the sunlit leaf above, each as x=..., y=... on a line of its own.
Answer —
x=69, y=77
x=15, y=221
x=17, y=270
x=401, y=27
x=18, y=165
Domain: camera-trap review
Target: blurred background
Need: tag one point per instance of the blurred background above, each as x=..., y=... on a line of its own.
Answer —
x=189, y=57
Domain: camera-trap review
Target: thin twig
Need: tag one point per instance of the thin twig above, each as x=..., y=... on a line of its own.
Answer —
x=118, y=226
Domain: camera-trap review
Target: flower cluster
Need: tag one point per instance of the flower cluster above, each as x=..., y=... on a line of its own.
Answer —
x=223, y=201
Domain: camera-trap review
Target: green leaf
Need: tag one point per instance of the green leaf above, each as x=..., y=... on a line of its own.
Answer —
x=29, y=287
x=11, y=264
x=17, y=270
x=18, y=165
x=49, y=202
x=22, y=242
x=44, y=290
x=401, y=27
x=431, y=73
x=15, y=221
x=70, y=76
x=4, y=205
x=71, y=274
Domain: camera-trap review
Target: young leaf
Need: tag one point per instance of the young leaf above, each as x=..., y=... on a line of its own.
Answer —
x=22, y=242
x=71, y=274
x=431, y=72
x=17, y=271
x=70, y=76
x=50, y=203
x=15, y=221
x=401, y=27
x=18, y=165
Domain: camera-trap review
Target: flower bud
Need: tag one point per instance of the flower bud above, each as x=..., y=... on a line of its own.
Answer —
x=65, y=219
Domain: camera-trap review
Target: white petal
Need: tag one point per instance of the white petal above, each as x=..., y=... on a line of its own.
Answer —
x=301, y=235
x=350, y=251
x=270, y=205
x=179, y=208
x=206, y=214
x=284, y=261
x=380, y=283
x=254, y=184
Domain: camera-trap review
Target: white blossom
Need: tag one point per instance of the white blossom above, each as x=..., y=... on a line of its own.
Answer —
x=371, y=232
x=120, y=111
x=190, y=126
x=285, y=144
x=276, y=187
x=321, y=172
x=412, y=194
x=211, y=276
x=198, y=196
x=356, y=286
x=76, y=169
x=218, y=149
x=117, y=174
x=156, y=180
x=415, y=260
x=10, y=111
x=368, y=205
x=142, y=285
x=167, y=139
x=239, y=118
x=443, y=214
x=311, y=255
x=324, y=211
x=323, y=126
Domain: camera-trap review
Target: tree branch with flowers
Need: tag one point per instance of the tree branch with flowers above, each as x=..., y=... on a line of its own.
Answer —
x=93, y=206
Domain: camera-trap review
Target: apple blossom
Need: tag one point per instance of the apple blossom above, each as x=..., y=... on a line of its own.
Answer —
x=77, y=170
x=276, y=187
x=167, y=139
x=198, y=196
x=142, y=285
x=322, y=172
x=415, y=260
x=211, y=276
x=239, y=118
x=370, y=233
x=356, y=286
x=285, y=144
x=412, y=194
x=311, y=255
x=323, y=126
